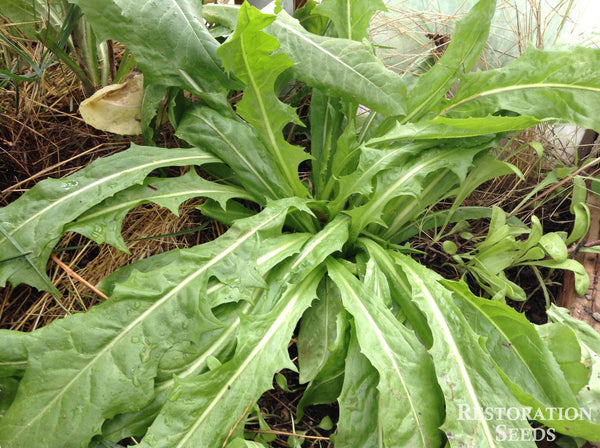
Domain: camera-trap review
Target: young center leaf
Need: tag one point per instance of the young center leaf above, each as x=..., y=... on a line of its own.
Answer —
x=371, y=162
x=249, y=52
x=326, y=118
x=407, y=179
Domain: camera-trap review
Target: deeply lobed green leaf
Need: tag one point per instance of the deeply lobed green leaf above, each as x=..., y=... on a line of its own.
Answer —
x=249, y=52
x=103, y=222
x=32, y=225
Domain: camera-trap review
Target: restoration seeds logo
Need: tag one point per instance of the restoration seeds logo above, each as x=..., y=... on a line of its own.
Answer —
x=505, y=433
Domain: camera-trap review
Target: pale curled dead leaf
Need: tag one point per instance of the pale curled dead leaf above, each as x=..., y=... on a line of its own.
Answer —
x=116, y=108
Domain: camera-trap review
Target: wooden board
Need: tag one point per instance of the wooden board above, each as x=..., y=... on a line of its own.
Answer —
x=586, y=308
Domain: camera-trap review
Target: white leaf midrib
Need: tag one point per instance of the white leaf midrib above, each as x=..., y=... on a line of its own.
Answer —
x=389, y=352
x=449, y=338
x=280, y=321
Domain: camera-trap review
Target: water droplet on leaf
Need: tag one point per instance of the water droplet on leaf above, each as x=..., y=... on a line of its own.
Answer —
x=69, y=184
x=97, y=233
